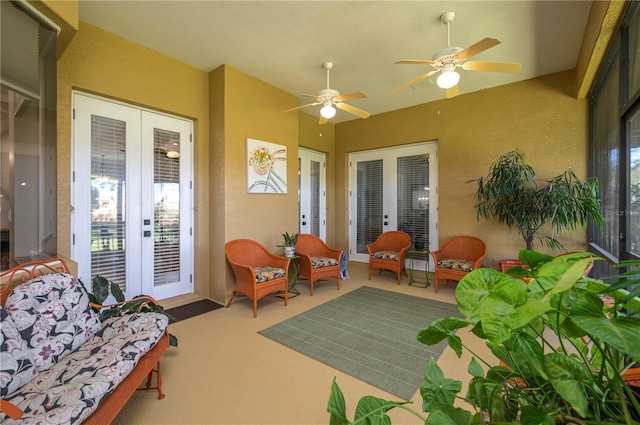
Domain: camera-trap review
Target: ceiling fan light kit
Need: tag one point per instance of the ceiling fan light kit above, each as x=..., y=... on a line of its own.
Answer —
x=331, y=99
x=448, y=59
x=328, y=111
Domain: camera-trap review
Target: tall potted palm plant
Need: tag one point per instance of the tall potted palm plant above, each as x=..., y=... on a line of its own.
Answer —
x=511, y=194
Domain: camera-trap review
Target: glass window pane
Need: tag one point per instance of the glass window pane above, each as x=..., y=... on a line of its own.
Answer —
x=108, y=159
x=314, y=198
x=413, y=196
x=634, y=54
x=166, y=207
x=369, y=203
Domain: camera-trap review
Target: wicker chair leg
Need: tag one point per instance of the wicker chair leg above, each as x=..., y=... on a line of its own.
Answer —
x=233, y=295
x=255, y=307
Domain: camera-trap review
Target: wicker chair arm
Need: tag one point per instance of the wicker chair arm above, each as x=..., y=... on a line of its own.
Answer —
x=11, y=410
x=149, y=300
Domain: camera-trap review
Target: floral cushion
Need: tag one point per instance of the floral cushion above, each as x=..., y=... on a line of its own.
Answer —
x=319, y=262
x=16, y=359
x=462, y=265
x=69, y=391
x=386, y=255
x=266, y=273
x=53, y=315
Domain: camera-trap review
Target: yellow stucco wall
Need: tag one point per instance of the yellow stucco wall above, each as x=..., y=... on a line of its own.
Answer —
x=538, y=116
x=250, y=109
x=106, y=65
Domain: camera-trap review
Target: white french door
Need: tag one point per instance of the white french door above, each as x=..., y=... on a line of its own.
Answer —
x=312, y=194
x=393, y=189
x=132, y=192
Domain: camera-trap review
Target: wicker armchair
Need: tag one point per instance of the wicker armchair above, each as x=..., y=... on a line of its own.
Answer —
x=456, y=257
x=258, y=272
x=317, y=260
x=389, y=252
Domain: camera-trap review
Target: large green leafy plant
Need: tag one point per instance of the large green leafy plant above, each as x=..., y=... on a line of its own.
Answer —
x=561, y=348
x=511, y=194
x=101, y=288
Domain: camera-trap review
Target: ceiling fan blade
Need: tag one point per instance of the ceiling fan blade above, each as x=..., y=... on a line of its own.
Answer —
x=479, y=47
x=452, y=92
x=350, y=96
x=510, y=67
x=414, y=81
x=302, y=106
x=415, y=62
x=323, y=120
x=352, y=110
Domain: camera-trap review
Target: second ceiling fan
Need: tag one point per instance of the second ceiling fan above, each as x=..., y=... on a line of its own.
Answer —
x=332, y=99
x=447, y=60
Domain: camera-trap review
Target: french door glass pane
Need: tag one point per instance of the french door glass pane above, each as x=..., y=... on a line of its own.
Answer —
x=369, y=203
x=166, y=207
x=633, y=234
x=413, y=196
x=108, y=137
x=314, y=199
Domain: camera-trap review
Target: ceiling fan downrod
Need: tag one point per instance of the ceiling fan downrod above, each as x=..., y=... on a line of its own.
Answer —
x=446, y=18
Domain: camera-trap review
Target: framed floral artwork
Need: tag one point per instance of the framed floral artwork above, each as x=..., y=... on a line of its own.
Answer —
x=266, y=167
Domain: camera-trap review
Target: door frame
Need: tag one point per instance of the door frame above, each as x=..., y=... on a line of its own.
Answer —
x=135, y=271
x=389, y=155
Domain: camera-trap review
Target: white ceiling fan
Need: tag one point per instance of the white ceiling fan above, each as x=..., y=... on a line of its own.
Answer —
x=332, y=99
x=447, y=60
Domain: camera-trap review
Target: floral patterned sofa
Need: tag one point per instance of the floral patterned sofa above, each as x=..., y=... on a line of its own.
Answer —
x=60, y=365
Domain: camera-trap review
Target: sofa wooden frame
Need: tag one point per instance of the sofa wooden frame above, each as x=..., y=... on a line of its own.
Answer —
x=147, y=367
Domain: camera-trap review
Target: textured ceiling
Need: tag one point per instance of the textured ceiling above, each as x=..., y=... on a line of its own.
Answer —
x=284, y=43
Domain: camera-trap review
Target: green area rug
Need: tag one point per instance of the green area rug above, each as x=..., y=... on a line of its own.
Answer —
x=369, y=334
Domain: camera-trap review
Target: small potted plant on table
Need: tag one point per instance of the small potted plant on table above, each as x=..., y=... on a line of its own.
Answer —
x=289, y=246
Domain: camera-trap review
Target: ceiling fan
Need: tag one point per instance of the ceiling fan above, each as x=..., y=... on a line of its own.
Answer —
x=447, y=60
x=332, y=99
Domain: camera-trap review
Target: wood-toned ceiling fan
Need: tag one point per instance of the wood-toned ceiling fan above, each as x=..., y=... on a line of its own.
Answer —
x=447, y=60
x=331, y=99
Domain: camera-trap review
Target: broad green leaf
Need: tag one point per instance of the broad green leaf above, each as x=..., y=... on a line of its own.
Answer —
x=336, y=406
x=481, y=393
x=100, y=288
x=475, y=369
x=528, y=354
x=474, y=287
x=570, y=379
x=620, y=333
x=441, y=329
x=373, y=410
x=569, y=278
x=532, y=416
x=436, y=389
x=449, y=415
x=534, y=259
x=117, y=292
x=500, y=318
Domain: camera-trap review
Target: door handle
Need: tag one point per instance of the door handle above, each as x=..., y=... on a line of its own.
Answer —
x=147, y=233
x=304, y=223
x=386, y=223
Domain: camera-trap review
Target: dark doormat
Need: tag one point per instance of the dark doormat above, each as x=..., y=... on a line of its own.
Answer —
x=194, y=309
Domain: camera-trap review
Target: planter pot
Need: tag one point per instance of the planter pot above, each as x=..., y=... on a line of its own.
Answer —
x=289, y=251
x=419, y=245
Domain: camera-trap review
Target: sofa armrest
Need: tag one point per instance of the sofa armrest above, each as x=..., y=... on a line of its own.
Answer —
x=10, y=409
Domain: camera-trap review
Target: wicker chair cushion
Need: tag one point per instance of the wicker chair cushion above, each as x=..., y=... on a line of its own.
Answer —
x=386, y=255
x=319, y=262
x=16, y=359
x=266, y=273
x=462, y=265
